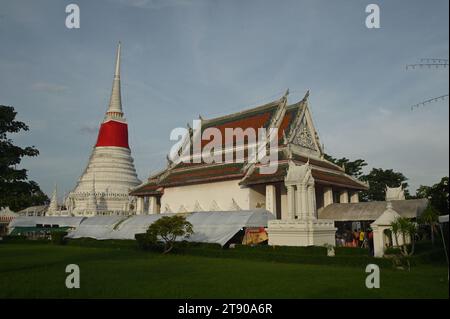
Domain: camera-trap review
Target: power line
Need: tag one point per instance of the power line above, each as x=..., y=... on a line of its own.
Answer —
x=433, y=60
x=429, y=65
x=435, y=63
x=432, y=100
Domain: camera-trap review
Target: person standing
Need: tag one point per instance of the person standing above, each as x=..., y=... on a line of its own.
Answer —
x=361, y=238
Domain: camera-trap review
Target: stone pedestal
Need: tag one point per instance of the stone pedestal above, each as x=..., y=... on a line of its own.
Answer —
x=306, y=229
x=314, y=232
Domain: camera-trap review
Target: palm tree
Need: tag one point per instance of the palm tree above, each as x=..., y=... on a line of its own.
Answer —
x=430, y=217
x=405, y=228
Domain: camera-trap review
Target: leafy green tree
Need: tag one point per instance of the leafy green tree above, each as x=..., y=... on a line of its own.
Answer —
x=437, y=194
x=378, y=179
x=352, y=168
x=169, y=229
x=15, y=189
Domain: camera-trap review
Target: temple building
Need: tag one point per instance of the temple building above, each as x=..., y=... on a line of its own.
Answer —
x=260, y=173
x=301, y=183
x=104, y=186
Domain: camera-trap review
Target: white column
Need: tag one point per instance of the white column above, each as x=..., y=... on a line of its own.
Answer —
x=312, y=202
x=140, y=205
x=152, y=205
x=291, y=201
x=354, y=197
x=271, y=199
x=298, y=201
x=303, y=197
x=327, y=196
x=343, y=196
x=378, y=242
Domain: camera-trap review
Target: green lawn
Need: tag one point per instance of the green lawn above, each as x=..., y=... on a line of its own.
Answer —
x=38, y=271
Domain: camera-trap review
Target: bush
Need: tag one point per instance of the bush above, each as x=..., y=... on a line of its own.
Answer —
x=196, y=245
x=300, y=251
x=436, y=256
x=313, y=255
x=168, y=229
x=146, y=242
x=58, y=237
x=108, y=243
x=351, y=251
x=13, y=239
x=392, y=251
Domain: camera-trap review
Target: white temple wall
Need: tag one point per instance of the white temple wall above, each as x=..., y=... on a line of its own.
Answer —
x=210, y=196
x=257, y=196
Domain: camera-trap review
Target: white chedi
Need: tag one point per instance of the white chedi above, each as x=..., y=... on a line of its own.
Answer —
x=104, y=186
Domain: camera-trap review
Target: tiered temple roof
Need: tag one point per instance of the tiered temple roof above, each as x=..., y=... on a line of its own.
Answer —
x=297, y=141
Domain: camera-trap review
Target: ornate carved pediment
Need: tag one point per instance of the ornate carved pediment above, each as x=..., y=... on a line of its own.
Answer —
x=299, y=174
x=303, y=136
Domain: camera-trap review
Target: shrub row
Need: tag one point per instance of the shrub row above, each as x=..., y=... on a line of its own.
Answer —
x=109, y=243
x=302, y=251
x=280, y=256
x=303, y=255
x=13, y=239
x=58, y=238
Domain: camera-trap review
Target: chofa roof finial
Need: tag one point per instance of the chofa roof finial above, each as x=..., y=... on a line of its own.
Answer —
x=306, y=96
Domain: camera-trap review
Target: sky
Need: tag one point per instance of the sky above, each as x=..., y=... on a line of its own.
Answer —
x=182, y=58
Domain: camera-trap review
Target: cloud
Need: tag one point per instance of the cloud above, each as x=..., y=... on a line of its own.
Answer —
x=49, y=87
x=89, y=129
x=154, y=4
x=384, y=111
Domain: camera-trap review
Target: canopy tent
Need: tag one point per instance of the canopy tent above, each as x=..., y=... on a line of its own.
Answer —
x=26, y=230
x=370, y=211
x=209, y=227
x=32, y=221
x=98, y=227
x=443, y=219
x=220, y=227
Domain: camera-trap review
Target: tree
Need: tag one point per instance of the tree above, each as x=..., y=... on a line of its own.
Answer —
x=15, y=189
x=406, y=229
x=378, y=179
x=437, y=195
x=352, y=168
x=168, y=229
x=430, y=217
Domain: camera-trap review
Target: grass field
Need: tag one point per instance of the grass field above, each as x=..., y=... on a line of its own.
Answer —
x=38, y=271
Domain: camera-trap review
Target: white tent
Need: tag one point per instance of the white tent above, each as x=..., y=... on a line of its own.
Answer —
x=23, y=221
x=98, y=227
x=209, y=227
x=443, y=219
